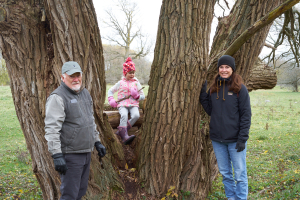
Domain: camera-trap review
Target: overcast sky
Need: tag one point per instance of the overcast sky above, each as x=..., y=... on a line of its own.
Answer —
x=148, y=15
x=148, y=12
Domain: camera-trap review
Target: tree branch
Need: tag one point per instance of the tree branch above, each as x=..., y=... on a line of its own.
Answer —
x=268, y=18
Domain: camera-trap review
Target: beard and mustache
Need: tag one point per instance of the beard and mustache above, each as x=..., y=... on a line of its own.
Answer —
x=75, y=87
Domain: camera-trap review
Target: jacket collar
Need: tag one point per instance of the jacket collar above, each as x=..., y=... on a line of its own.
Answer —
x=224, y=79
x=133, y=79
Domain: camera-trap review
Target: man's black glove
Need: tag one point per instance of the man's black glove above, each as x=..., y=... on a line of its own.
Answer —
x=240, y=146
x=100, y=148
x=60, y=163
x=204, y=87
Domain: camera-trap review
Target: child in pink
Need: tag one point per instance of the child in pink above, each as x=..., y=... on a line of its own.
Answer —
x=127, y=86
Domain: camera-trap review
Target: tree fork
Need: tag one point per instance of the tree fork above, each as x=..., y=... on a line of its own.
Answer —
x=267, y=19
x=229, y=30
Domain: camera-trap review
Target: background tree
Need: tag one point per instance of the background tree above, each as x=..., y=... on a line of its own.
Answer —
x=114, y=65
x=284, y=38
x=125, y=30
x=288, y=75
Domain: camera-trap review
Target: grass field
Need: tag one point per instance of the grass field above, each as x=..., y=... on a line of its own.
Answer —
x=273, y=149
x=273, y=154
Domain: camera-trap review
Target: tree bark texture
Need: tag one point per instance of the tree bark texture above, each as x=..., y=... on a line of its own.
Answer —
x=175, y=149
x=36, y=38
x=261, y=77
x=243, y=14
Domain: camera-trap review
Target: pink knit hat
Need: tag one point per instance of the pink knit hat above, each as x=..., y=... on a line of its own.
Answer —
x=128, y=66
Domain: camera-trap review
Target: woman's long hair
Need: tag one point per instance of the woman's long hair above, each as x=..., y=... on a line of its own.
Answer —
x=235, y=83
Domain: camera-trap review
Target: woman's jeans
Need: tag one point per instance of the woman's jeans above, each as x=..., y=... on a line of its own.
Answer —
x=227, y=156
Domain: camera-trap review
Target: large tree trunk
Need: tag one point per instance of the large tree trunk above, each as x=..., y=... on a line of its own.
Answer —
x=175, y=149
x=243, y=14
x=34, y=64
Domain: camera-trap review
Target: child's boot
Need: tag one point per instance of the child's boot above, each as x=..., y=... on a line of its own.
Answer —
x=128, y=127
x=126, y=139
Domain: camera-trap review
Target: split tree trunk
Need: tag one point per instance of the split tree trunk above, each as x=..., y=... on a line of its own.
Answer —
x=36, y=38
x=175, y=149
x=243, y=14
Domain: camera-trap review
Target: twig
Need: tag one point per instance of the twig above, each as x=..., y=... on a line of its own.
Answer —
x=101, y=163
x=128, y=96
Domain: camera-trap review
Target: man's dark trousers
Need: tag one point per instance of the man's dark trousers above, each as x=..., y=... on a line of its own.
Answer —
x=74, y=183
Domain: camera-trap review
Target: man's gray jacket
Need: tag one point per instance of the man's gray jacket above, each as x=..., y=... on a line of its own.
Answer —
x=69, y=123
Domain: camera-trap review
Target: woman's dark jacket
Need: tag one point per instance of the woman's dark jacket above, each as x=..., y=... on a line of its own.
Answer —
x=230, y=113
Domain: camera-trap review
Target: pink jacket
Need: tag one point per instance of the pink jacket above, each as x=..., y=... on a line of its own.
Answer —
x=123, y=88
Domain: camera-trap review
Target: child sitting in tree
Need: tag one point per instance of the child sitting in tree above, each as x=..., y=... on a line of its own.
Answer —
x=128, y=86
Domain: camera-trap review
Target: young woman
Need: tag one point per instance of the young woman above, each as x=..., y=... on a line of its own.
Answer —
x=228, y=104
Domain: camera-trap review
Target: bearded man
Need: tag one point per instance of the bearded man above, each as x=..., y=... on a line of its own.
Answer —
x=71, y=132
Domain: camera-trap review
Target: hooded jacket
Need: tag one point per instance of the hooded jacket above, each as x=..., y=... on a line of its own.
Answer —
x=123, y=88
x=230, y=112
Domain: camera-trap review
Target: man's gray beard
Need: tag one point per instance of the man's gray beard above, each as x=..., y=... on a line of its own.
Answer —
x=76, y=88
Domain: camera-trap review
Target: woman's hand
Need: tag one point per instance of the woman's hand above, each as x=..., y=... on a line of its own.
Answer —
x=204, y=86
x=240, y=146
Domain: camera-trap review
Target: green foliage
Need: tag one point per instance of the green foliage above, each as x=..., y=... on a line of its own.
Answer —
x=16, y=177
x=273, y=162
x=185, y=194
x=4, y=78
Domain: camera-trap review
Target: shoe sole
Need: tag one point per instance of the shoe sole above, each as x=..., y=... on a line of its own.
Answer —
x=129, y=140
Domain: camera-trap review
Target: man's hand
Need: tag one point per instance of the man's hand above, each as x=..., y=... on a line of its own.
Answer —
x=100, y=148
x=60, y=163
x=240, y=146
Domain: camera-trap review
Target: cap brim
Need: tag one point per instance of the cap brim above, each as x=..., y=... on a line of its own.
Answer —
x=73, y=71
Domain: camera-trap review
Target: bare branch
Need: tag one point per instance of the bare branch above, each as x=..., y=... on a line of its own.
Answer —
x=125, y=32
x=270, y=46
x=268, y=18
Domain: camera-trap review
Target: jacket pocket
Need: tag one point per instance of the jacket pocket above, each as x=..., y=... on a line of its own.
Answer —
x=67, y=135
x=82, y=139
x=88, y=107
x=74, y=110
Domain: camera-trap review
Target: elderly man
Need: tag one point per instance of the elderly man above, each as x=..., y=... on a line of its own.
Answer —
x=71, y=132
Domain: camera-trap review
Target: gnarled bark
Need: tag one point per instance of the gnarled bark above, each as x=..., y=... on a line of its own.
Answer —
x=261, y=77
x=244, y=14
x=175, y=149
x=36, y=38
